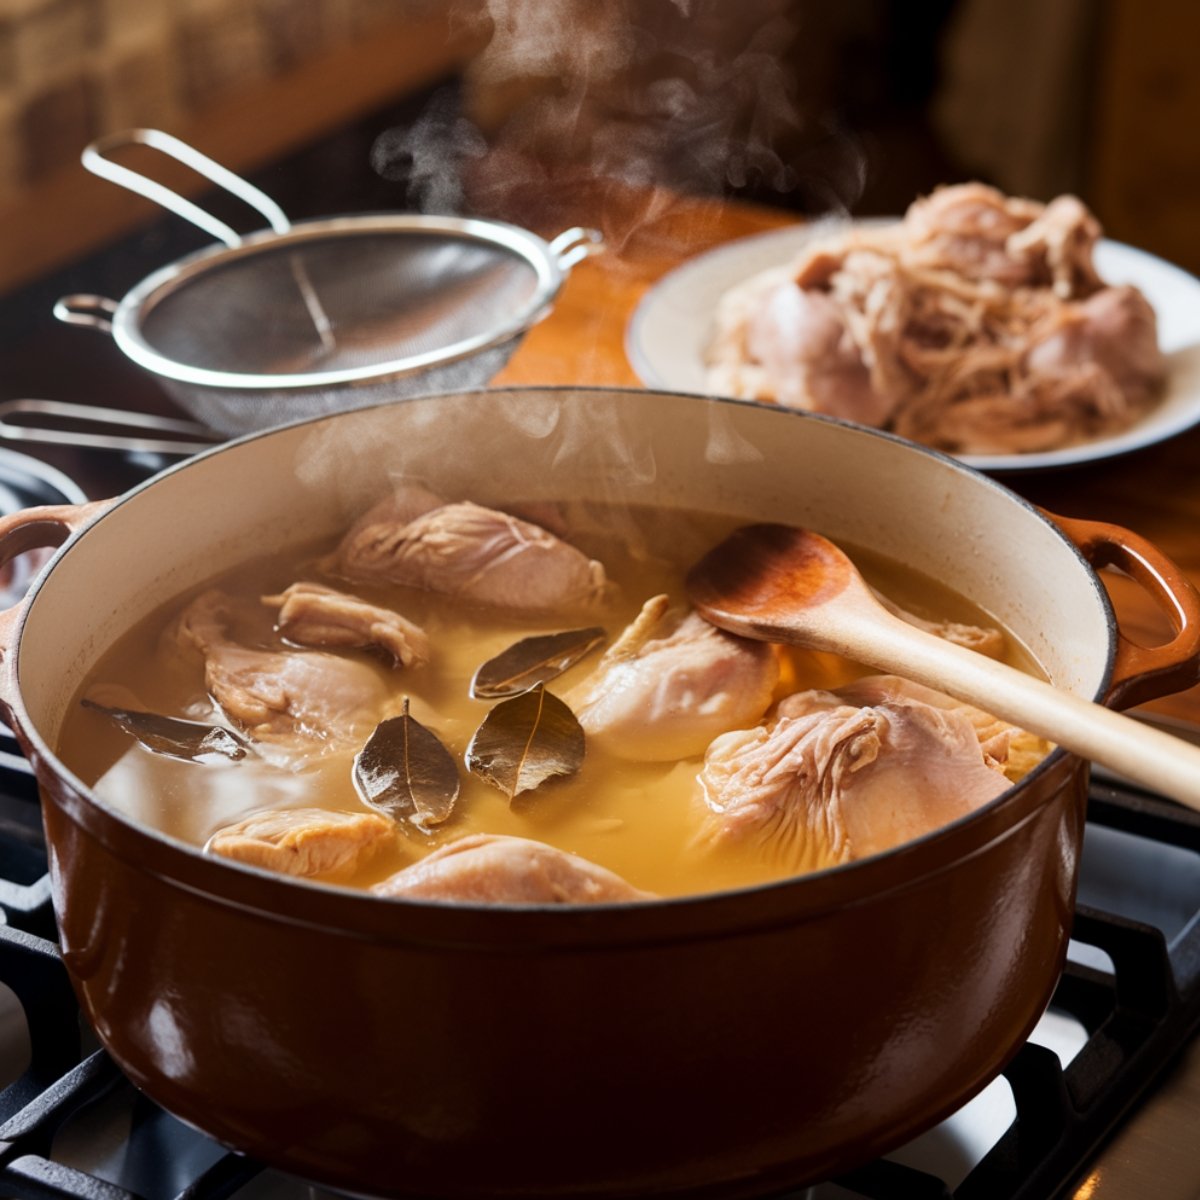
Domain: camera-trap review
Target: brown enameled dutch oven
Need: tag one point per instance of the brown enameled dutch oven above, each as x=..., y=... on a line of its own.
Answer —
x=721, y=1044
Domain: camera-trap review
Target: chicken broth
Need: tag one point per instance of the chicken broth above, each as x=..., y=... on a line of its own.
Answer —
x=642, y=820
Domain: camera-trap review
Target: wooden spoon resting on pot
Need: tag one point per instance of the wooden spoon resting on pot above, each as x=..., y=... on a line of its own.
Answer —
x=777, y=583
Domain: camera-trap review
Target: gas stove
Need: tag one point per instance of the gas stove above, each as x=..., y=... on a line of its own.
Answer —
x=1078, y=1112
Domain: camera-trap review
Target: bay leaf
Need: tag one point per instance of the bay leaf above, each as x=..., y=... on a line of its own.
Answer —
x=533, y=660
x=192, y=741
x=525, y=741
x=404, y=772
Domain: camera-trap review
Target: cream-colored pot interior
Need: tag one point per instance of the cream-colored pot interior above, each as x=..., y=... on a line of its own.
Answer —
x=307, y=481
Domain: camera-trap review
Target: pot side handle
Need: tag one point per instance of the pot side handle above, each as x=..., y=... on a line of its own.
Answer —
x=1144, y=672
x=33, y=529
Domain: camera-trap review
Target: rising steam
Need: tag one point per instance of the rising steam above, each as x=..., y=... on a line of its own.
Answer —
x=611, y=114
x=429, y=154
x=692, y=96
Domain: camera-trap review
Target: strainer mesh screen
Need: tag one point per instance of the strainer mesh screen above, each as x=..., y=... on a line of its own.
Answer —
x=339, y=302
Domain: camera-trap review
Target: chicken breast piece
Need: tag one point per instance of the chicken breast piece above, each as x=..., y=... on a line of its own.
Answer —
x=983, y=639
x=802, y=341
x=1005, y=747
x=311, y=614
x=303, y=841
x=280, y=695
x=1114, y=332
x=473, y=553
x=407, y=502
x=668, y=686
x=490, y=869
x=994, y=735
x=837, y=781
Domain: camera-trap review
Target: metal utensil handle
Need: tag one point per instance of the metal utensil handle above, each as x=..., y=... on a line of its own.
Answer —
x=81, y=308
x=574, y=245
x=94, y=160
x=88, y=415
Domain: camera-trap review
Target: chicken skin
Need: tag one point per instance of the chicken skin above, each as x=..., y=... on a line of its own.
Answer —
x=313, y=615
x=668, y=686
x=472, y=553
x=837, y=776
x=303, y=841
x=491, y=869
x=280, y=695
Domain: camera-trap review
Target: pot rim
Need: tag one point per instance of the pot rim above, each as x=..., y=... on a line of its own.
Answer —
x=550, y=262
x=348, y=910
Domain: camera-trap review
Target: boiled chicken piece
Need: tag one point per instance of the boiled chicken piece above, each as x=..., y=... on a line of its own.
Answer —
x=803, y=343
x=830, y=780
x=407, y=502
x=472, y=553
x=1005, y=747
x=313, y=615
x=303, y=841
x=994, y=735
x=280, y=695
x=668, y=686
x=489, y=869
x=1114, y=333
x=983, y=639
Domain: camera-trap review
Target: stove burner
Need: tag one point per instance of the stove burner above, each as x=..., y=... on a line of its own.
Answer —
x=73, y=1126
x=26, y=481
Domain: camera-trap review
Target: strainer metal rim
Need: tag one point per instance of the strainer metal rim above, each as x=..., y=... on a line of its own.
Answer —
x=550, y=262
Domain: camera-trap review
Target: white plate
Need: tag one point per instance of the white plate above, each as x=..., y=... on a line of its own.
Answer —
x=669, y=332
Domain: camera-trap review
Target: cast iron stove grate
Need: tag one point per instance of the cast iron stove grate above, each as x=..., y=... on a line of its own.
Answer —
x=71, y=1126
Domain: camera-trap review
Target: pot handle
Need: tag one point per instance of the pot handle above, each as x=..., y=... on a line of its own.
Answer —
x=1144, y=672
x=33, y=529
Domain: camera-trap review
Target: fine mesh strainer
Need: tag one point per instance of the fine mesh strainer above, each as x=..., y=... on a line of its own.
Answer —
x=302, y=320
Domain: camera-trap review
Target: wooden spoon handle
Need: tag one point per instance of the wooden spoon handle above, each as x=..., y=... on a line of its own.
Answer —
x=1147, y=756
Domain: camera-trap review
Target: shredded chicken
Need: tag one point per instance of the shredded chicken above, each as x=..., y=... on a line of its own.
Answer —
x=840, y=775
x=670, y=684
x=303, y=841
x=491, y=869
x=313, y=615
x=470, y=552
x=977, y=325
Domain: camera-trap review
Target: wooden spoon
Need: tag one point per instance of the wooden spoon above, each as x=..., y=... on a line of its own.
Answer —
x=776, y=583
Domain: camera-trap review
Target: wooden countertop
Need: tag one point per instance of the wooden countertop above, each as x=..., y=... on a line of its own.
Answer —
x=1154, y=492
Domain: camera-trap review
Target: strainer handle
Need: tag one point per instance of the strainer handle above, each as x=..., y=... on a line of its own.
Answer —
x=94, y=160
x=92, y=312
x=574, y=245
x=76, y=421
